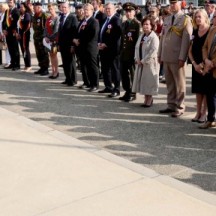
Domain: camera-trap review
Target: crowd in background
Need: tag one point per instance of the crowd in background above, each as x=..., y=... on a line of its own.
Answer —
x=120, y=43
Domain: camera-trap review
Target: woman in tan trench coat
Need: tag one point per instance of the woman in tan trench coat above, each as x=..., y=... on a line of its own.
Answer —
x=146, y=77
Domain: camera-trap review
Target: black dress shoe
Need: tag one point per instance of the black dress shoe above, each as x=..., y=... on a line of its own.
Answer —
x=44, y=72
x=106, y=90
x=114, y=94
x=131, y=98
x=15, y=68
x=70, y=84
x=83, y=86
x=8, y=67
x=93, y=89
x=38, y=71
x=167, y=110
x=124, y=97
x=64, y=82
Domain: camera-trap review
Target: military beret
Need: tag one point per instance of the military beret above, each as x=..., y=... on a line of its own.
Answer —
x=61, y=1
x=37, y=2
x=129, y=6
x=79, y=6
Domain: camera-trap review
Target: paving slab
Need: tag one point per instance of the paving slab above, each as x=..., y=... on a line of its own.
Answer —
x=174, y=147
x=45, y=172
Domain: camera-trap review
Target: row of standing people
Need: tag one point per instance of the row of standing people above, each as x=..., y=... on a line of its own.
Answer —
x=116, y=44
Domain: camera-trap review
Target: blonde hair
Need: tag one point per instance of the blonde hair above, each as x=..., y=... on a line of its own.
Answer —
x=53, y=5
x=4, y=6
x=90, y=6
x=204, y=13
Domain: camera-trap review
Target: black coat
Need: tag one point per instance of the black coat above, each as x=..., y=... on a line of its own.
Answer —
x=111, y=36
x=67, y=32
x=88, y=36
x=100, y=17
x=15, y=17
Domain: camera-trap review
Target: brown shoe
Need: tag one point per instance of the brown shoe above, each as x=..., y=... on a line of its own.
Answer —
x=207, y=125
x=176, y=114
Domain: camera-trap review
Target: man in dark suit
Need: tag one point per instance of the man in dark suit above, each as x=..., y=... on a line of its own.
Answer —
x=10, y=31
x=86, y=41
x=109, y=46
x=67, y=31
x=100, y=17
x=130, y=34
x=98, y=14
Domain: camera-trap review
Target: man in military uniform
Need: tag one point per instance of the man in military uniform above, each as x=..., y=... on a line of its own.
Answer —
x=38, y=23
x=130, y=34
x=173, y=52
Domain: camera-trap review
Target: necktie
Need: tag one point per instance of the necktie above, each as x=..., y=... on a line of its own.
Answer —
x=61, y=21
x=173, y=18
x=103, y=28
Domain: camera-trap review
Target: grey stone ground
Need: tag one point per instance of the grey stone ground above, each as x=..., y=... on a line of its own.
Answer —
x=173, y=147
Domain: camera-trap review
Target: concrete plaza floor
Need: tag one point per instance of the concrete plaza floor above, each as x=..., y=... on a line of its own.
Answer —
x=65, y=151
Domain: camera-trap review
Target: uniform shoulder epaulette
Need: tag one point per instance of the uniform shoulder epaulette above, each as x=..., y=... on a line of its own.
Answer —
x=187, y=16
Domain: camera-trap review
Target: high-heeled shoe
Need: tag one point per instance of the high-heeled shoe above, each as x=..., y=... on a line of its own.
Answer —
x=54, y=76
x=202, y=119
x=196, y=118
x=147, y=105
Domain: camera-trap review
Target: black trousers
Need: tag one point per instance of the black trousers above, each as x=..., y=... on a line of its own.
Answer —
x=89, y=68
x=13, y=49
x=42, y=54
x=24, y=45
x=110, y=68
x=127, y=75
x=0, y=57
x=69, y=65
x=211, y=97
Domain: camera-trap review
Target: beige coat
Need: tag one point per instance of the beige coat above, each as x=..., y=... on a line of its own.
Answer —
x=174, y=44
x=146, y=79
x=206, y=49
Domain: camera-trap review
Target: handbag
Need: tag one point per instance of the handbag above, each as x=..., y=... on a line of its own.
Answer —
x=3, y=45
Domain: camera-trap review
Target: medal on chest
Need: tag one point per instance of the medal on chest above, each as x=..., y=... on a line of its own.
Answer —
x=109, y=28
x=129, y=34
x=83, y=25
x=38, y=22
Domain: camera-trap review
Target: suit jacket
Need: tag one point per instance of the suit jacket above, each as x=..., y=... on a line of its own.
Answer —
x=12, y=27
x=130, y=34
x=206, y=49
x=67, y=32
x=100, y=17
x=175, y=40
x=88, y=36
x=111, y=36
